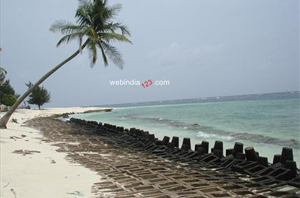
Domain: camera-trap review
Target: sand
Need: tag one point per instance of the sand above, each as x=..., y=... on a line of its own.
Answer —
x=44, y=172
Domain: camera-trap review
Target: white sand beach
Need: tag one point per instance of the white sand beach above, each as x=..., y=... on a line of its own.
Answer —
x=32, y=168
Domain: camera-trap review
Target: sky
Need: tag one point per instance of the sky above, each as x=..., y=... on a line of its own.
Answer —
x=203, y=48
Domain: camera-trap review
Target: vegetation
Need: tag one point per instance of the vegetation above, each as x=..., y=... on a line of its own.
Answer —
x=39, y=96
x=2, y=75
x=6, y=88
x=2, y=70
x=8, y=99
x=8, y=95
x=96, y=28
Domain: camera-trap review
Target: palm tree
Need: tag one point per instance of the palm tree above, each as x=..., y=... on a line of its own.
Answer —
x=96, y=27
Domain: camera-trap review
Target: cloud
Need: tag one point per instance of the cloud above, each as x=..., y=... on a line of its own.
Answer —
x=175, y=54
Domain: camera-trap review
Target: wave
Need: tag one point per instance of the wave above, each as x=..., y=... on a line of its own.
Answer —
x=206, y=135
x=124, y=118
x=209, y=132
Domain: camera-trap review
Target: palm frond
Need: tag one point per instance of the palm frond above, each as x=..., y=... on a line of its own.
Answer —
x=101, y=14
x=92, y=34
x=125, y=30
x=108, y=37
x=115, y=9
x=65, y=27
x=113, y=54
x=83, y=16
x=93, y=52
x=113, y=27
x=103, y=54
x=69, y=37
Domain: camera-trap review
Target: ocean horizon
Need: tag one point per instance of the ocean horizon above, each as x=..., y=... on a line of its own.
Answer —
x=254, y=96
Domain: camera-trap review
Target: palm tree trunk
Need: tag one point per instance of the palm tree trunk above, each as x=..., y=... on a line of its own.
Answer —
x=6, y=117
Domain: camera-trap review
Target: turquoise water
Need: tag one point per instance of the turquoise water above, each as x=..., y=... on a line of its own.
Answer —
x=267, y=122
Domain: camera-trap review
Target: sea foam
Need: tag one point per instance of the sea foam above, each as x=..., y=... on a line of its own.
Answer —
x=206, y=135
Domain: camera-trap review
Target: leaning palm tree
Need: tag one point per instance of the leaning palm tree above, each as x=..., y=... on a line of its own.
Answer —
x=95, y=30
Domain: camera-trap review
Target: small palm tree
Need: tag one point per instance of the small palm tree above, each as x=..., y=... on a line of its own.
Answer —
x=96, y=28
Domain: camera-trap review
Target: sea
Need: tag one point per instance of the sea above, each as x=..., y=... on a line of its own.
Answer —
x=267, y=122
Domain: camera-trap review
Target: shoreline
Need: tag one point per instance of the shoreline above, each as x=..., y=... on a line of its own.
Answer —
x=31, y=166
x=107, y=165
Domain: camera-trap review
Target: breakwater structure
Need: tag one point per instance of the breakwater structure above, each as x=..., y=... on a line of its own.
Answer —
x=283, y=170
x=128, y=170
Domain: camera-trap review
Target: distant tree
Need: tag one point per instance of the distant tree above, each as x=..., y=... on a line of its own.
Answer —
x=8, y=99
x=2, y=75
x=6, y=89
x=39, y=96
x=2, y=78
x=2, y=70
